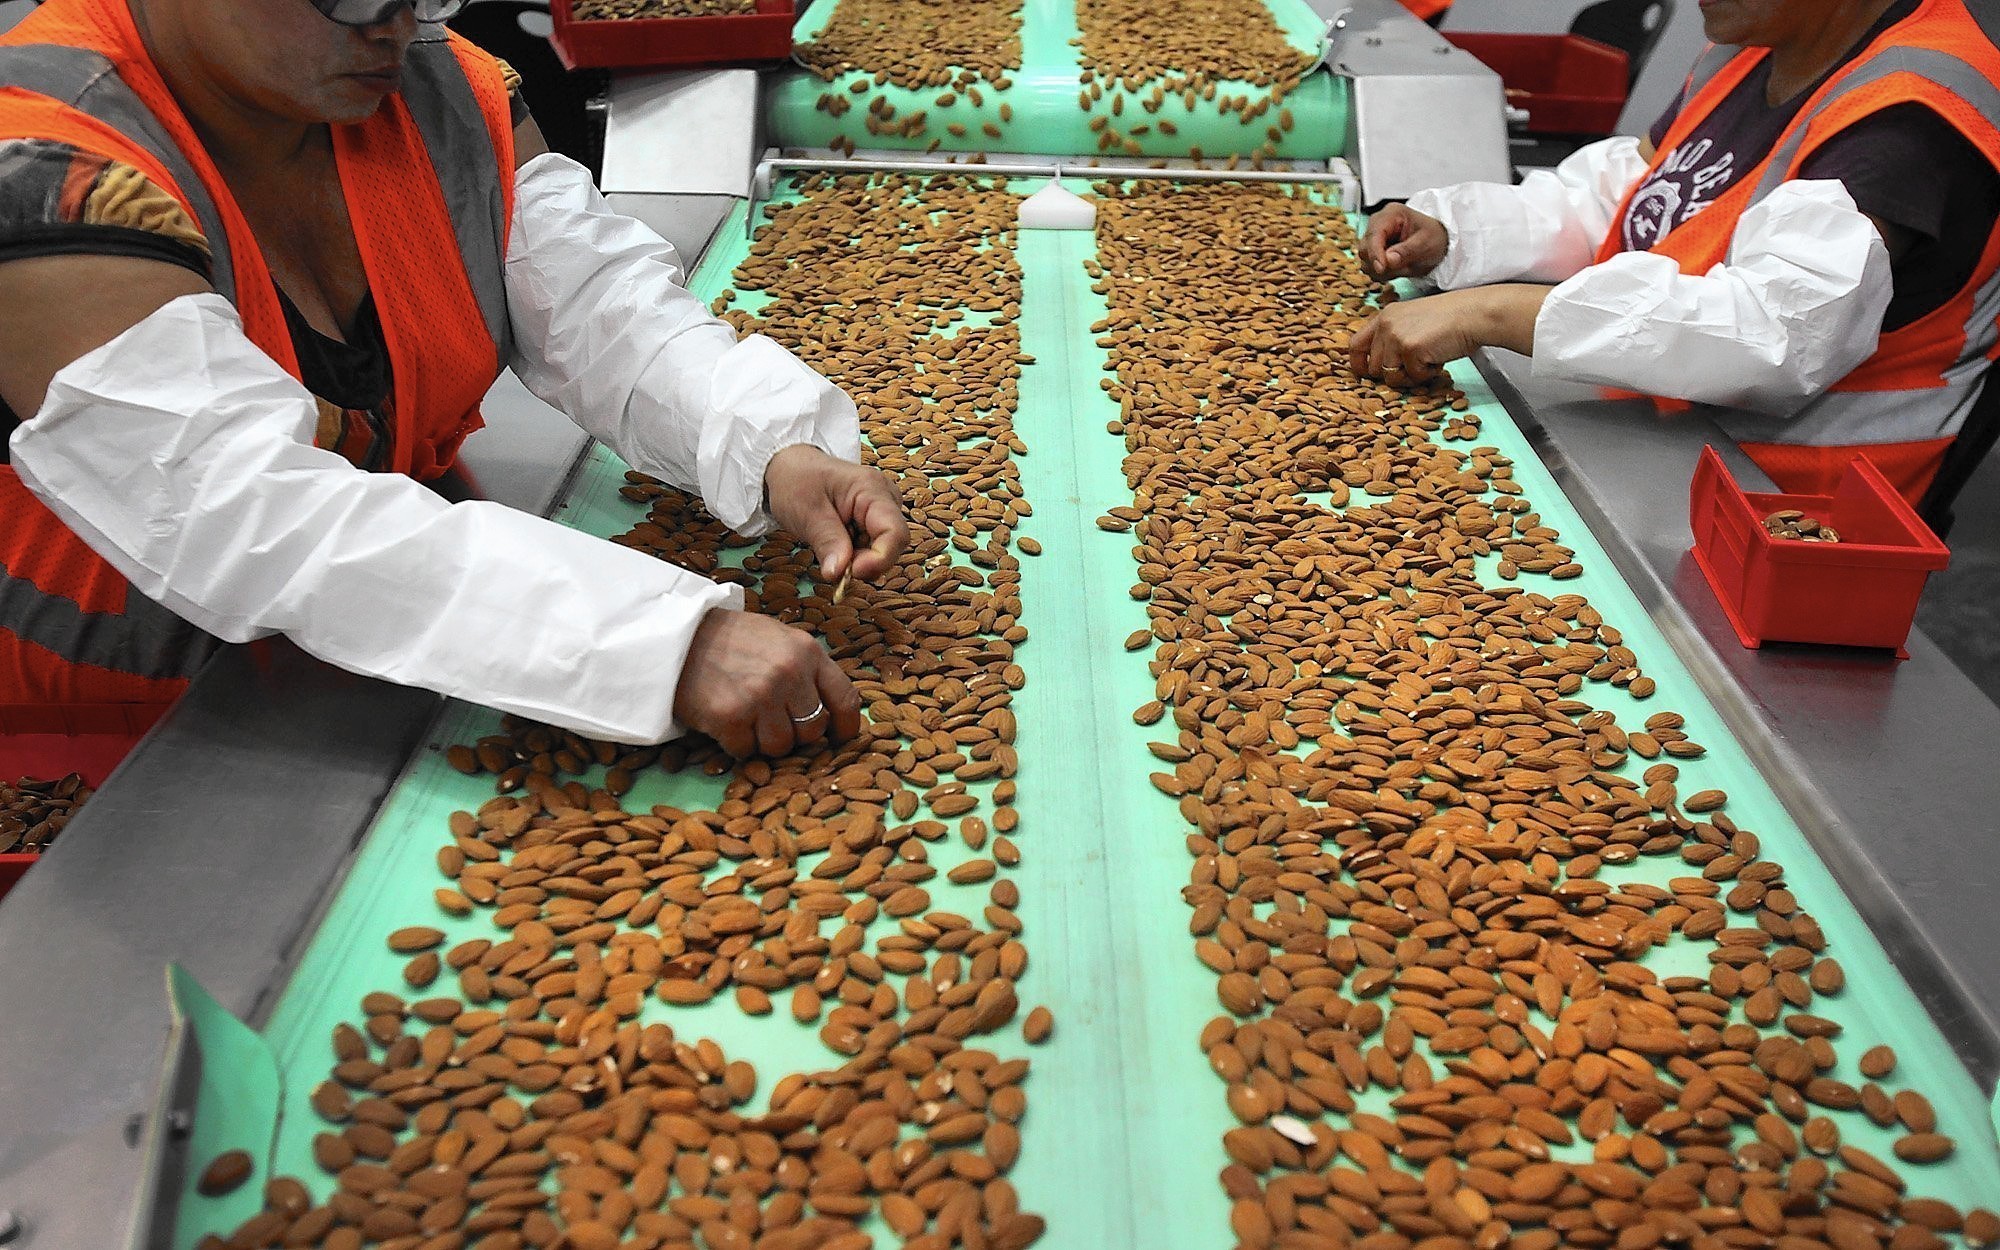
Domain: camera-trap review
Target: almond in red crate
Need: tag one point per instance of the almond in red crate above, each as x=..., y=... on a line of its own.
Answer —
x=658, y=34
x=607, y=10
x=51, y=760
x=1845, y=569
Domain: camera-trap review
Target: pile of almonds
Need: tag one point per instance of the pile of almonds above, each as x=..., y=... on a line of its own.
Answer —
x=1137, y=54
x=610, y=10
x=525, y=1088
x=1797, y=526
x=918, y=44
x=1421, y=870
x=33, y=812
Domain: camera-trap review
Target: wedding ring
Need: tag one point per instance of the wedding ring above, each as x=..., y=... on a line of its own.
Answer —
x=819, y=710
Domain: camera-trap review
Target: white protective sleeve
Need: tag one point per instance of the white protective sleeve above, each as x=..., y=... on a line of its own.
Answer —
x=200, y=483
x=604, y=331
x=1544, y=230
x=1797, y=306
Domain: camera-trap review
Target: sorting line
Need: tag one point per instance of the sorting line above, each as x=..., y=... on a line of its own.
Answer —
x=1121, y=1144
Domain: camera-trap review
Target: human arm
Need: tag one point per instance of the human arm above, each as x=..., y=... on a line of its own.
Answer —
x=1543, y=230
x=202, y=487
x=605, y=332
x=1795, y=307
x=1410, y=341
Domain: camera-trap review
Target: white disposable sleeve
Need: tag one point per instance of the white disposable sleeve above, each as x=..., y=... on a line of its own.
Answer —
x=1544, y=230
x=1798, y=304
x=604, y=331
x=200, y=483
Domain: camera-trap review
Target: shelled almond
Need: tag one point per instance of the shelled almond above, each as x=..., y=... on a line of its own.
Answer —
x=1402, y=781
x=33, y=812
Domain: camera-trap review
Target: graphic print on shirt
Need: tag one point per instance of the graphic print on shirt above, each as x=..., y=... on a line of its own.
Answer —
x=1684, y=184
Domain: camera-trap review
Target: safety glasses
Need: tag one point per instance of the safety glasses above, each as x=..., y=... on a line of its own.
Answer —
x=375, y=12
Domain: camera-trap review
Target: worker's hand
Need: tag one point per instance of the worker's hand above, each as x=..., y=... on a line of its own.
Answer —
x=1409, y=343
x=760, y=687
x=827, y=501
x=1402, y=243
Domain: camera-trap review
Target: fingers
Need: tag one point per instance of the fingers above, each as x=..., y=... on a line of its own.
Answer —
x=1385, y=229
x=880, y=519
x=843, y=702
x=1383, y=351
x=774, y=729
x=809, y=722
x=825, y=531
x=1361, y=344
x=735, y=734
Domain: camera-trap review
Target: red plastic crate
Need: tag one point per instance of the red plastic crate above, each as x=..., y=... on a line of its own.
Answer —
x=54, y=741
x=1859, y=592
x=1568, y=84
x=659, y=42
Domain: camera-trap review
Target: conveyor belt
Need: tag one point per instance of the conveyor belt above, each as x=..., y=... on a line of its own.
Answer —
x=1046, y=117
x=1122, y=1135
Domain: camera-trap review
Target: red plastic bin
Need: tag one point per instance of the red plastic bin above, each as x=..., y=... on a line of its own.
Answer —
x=659, y=42
x=1568, y=84
x=1859, y=592
x=54, y=741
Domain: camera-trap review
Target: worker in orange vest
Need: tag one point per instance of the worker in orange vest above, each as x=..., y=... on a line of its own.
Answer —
x=1810, y=238
x=259, y=262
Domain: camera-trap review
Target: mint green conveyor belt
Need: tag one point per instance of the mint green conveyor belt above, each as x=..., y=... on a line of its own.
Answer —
x=1122, y=1137
x=1045, y=115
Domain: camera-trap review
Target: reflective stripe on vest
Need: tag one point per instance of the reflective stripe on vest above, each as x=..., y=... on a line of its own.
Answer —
x=440, y=101
x=89, y=83
x=144, y=640
x=1711, y=62
x=76, y=622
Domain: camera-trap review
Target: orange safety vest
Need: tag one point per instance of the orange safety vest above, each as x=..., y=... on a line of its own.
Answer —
x=1903, y=406
x=434, y=163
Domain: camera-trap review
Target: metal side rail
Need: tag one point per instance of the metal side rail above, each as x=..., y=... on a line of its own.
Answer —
x=1886, y=765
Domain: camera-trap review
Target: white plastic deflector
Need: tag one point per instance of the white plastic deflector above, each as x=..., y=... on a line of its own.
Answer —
x=1056, y=207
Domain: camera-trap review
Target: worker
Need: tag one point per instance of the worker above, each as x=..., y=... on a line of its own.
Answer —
x=1810, y=238
x=259, y=262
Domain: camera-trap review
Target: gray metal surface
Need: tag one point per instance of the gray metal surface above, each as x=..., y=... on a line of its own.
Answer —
x=1961, y=606
x=681, y=148
x=1404, y=77
x=1887, y=765
x=683, y=132
x=216, y=844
